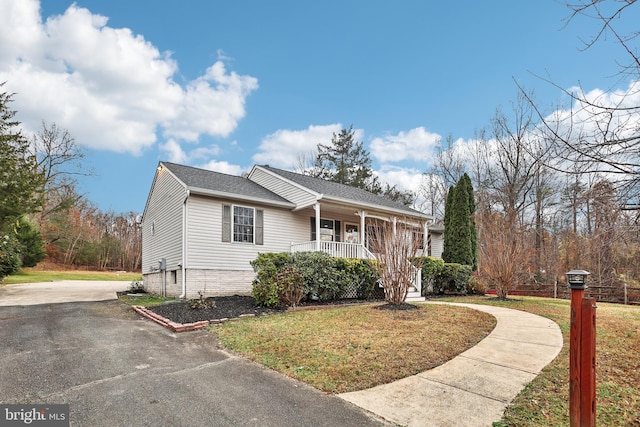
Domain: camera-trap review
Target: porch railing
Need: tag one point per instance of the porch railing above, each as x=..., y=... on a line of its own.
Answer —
x=335, y=249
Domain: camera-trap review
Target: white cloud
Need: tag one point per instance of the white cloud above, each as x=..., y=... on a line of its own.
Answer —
x=416, y=144
x=177, y=154
x=212, y=104
x=111, y=88
x=403, y=178
x=285, y=147
x=174, y=151
x=223, y=167
x=616, y=111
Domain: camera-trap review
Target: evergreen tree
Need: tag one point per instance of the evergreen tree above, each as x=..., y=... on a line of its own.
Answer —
x=10, y=261
x=460, y=237
x=347, y=162
x=20, y=191
x=401, y=196
x=468, y=189
x=31, y=242
x=448, y=242
x=20, y=184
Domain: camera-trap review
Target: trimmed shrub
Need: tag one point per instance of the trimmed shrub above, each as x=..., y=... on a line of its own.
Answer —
x=358, y=277
x=463, y=279
x=292, y=283
x=322, y=280
x=431, y=270
x=454, y=277
x=266, y=289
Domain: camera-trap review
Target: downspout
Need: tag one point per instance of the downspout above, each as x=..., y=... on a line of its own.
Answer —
x=184, y=247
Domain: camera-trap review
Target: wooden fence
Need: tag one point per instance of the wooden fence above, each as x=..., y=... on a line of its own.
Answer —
x=624, y=294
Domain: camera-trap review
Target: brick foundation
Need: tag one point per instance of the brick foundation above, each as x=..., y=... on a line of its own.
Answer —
x=211, y=283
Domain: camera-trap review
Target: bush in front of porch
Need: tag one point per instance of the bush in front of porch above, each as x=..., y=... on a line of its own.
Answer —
x=325, y=278
x=439, y=277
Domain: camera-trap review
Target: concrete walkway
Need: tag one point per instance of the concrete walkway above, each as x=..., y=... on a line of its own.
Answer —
x=474, y=388
x=60, y=291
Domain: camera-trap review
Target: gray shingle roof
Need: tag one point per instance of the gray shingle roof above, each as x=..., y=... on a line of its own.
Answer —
x=341, y=191
x=207, y=180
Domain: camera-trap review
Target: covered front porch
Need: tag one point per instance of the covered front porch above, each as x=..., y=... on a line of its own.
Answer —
x=344, y=232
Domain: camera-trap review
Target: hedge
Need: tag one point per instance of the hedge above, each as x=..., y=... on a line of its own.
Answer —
x=325, y=278
x=439, y=277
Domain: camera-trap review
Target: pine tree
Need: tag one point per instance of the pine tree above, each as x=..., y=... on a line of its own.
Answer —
x=347, y=162
x=20, y=184
x=20, y=191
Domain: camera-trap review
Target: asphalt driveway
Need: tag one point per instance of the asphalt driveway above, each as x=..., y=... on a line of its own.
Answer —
x=60, y=291
x=116, y=369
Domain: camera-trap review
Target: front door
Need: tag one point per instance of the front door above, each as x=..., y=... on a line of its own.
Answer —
x=351, y=234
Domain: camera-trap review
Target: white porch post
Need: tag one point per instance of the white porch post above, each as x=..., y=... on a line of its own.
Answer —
x=316, y=208
x=362, y=214
x=425, y=238
x=395, y=222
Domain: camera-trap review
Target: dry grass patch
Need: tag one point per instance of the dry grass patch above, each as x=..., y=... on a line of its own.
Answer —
x=353, y=348
x=545, y=401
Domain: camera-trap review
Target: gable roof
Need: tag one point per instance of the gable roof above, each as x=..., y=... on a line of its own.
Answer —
x=343, y=193
x=206, y=182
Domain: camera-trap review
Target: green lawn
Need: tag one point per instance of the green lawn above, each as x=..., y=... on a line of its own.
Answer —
x=354, y=348
x=545, y=401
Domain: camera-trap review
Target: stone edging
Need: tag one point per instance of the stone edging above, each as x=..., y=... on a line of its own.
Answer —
x=179, y=327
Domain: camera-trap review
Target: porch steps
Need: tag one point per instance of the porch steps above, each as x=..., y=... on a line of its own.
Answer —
x=414, y=296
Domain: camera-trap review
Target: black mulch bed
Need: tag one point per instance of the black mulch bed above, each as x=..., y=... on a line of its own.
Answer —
x=229, y=307
x=399, y=307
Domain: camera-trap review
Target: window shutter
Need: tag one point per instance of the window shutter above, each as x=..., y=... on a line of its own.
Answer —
x=226, y=223
x=313, y=229
x=336, y=231
x=259, y=227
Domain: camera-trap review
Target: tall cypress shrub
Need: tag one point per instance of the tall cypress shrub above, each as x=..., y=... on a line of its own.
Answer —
x=460, y=237
x=465, y=182
x=448, y=243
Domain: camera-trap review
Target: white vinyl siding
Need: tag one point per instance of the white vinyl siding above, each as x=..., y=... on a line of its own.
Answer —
x=162, y=223
x=283, y=188
x=437, y=243
x=206, y=250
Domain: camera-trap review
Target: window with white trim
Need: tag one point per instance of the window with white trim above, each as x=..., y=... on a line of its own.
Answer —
x=243, y=224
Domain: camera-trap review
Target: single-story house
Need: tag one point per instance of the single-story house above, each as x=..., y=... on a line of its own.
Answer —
x=201, y=229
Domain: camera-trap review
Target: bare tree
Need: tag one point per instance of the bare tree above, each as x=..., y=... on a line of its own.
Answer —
x=60, y=161
x=432, y=195
x=599, y=130
x=505, y=257
x=396, y=248
x=450, y=163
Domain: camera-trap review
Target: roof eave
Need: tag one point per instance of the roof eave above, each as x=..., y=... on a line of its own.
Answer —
x=240, y=197
x=377, y=207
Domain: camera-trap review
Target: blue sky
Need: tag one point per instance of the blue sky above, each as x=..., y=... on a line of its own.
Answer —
x=225, y=85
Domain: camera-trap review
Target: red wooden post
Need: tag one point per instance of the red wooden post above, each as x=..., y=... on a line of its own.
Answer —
x=577, y=295
x=588, y=363
x=582, y=353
